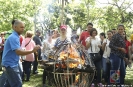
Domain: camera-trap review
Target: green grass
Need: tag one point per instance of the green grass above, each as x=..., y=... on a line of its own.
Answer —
x=36, y=80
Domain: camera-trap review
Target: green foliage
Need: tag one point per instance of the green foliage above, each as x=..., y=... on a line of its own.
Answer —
x=16, y=9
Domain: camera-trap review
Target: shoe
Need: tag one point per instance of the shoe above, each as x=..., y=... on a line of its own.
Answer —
x=100, y=85
x=92, y=85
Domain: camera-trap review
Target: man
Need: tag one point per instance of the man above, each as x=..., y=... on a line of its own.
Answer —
x=11, y=54
x=85, y=34
x=37, y=41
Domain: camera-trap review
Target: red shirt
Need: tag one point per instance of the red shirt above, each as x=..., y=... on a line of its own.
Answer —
x=83, y=37
x=21, y=39
x=127, y=45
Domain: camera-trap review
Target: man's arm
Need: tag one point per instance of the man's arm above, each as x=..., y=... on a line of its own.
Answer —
x=23, y=52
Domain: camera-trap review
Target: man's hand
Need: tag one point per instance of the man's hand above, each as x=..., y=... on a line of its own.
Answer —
x=36, y=48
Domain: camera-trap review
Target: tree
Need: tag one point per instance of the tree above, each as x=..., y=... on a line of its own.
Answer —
x=17, y=9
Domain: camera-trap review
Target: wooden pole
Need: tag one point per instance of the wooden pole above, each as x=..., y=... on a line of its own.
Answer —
x=62, y=13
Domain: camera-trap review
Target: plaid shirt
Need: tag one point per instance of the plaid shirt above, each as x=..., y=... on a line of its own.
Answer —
x=116, y=42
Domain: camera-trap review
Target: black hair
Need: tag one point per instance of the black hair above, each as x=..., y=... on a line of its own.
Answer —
x=13, y=21
x=120, y=25
x=90, y=24
x=113, y=29
x=103, y=34
x=93, y=29
x=110, y=31
x=125, y=35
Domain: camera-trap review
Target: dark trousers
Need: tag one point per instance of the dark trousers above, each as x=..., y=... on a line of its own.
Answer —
x=118, y=63
x=98, y=73
x=26, y=69
x=35, y=63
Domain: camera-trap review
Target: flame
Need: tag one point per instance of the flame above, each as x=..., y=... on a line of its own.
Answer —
x=72, y=54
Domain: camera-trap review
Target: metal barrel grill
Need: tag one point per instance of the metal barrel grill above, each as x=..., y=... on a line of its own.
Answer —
x=71, y=66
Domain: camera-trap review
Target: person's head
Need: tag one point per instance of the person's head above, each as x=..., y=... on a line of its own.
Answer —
x=120, y=29
x=89, y=27
x=2, y=34
x=63, y=30
x=93, y=32
x=125, y=35
x=38, y=32
x=13, y=21
x=102, y=36
x=19, y=26
x=109, y=34
x=114, y=31
x=28, y=34
x=55, y=33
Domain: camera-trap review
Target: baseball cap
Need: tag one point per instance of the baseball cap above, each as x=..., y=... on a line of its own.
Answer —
x=63, y=27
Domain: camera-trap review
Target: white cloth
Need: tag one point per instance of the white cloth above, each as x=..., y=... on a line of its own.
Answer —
x=47, y=47
x=107, y=49
x=94, y=45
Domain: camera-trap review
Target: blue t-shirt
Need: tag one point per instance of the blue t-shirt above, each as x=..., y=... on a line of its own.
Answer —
x=10, y=58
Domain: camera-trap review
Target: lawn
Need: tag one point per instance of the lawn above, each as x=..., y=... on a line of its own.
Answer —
x=36, y=80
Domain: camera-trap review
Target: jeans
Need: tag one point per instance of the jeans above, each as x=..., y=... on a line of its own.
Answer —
x=118, y=63
x=106, y=69
x=2, y=79
x=13, y=77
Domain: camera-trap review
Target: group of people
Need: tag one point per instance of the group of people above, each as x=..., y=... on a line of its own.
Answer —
x=113, y=48
x=19, y=53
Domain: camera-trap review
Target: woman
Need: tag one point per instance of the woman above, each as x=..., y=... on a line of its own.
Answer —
x=28, y=44
x=59, y=41
x=93, y=44
x=2, y=41
x=117, y=56
x=106, y=55
x=63, y=37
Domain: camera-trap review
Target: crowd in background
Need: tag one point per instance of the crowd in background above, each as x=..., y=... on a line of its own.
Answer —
x=113, y=46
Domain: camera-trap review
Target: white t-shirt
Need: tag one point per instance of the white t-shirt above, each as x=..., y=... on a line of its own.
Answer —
x=0, y=41
x=107, y=49
x=94, y=45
